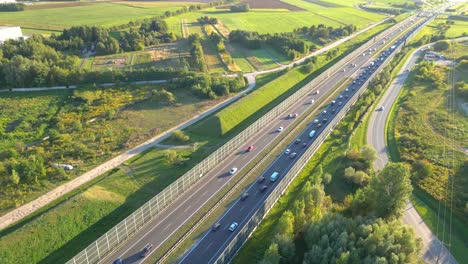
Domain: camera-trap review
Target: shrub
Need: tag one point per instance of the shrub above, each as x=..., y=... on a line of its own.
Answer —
x=180, y=136
x=441, y=45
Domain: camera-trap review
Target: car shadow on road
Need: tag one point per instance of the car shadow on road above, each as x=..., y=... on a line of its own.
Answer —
x=132, y=259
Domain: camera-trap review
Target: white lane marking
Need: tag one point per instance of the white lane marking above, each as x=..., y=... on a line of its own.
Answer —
x=188, y=207
x=168, y=225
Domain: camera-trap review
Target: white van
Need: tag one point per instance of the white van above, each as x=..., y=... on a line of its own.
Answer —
x=274, y=176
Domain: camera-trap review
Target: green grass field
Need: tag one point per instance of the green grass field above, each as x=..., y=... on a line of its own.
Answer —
x=102, y=14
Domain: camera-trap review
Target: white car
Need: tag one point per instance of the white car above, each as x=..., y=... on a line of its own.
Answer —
x=312, y=101
x=233, y=171
x=287, y=151
x=233, y=226
x=317, y=92
x=316, y=121
x=280, y=129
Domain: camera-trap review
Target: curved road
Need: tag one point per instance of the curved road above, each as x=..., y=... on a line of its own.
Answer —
x=433, y=250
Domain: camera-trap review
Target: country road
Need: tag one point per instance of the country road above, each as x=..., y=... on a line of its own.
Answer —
x=433, y=250
x=32, y=206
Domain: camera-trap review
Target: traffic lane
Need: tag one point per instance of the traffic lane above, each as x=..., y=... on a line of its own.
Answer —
x=338, y=76
x=195, y=199
x=282, y=165
x=215, y=243
x=232, y=213
x=128, y=253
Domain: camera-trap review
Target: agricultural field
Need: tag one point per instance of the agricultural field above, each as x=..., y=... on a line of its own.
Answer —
x=56, y=16
x=283, y=20
x=430, y=136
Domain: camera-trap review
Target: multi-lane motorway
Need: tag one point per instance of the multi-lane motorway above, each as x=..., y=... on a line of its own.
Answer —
x=211, y=245
x=167, y=222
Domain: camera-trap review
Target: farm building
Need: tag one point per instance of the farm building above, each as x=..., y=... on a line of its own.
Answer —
x=10, y=33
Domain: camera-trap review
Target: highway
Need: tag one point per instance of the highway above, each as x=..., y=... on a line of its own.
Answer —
x=211, y=245
x=433, y=250
x=167, y=222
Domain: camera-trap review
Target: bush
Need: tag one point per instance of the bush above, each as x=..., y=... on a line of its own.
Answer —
x=441, y=45
x=12, y=7
x=240, y=8
x=180, y=136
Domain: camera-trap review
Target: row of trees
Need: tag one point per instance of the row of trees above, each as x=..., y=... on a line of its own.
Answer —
x=197, y=56
x=323, y=33
x=240, y=8
x=287, y=44
x=11, y=7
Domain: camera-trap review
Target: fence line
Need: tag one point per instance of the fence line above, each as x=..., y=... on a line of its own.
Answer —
x=244, y=233
x=135, y=221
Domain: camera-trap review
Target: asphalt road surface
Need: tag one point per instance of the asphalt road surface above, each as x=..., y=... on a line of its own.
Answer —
x=211, y=245
x=174, y=216
x=433, y=250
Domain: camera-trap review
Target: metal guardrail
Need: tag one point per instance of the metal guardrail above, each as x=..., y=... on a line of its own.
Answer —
x=135, y=221
x=236, y=243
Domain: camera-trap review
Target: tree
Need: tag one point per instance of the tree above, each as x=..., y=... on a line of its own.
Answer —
x=172, y=157
x=180, y=136
x=286, y=247
x=327, y=177
x=441, y=45
x=285, y=224
x=389, y=191
x=421, y=169
x=349, y=172
x=368, y=154
x=299, y=216
x=15, y=179
x=272, y=255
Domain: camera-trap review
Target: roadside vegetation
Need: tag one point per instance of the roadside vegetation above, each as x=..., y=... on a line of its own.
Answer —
x=430, y=136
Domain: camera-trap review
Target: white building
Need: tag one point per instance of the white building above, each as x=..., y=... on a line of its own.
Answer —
x=7, y=1
x=10, y=33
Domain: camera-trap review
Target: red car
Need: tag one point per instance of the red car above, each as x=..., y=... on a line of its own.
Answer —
x=250, y=148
